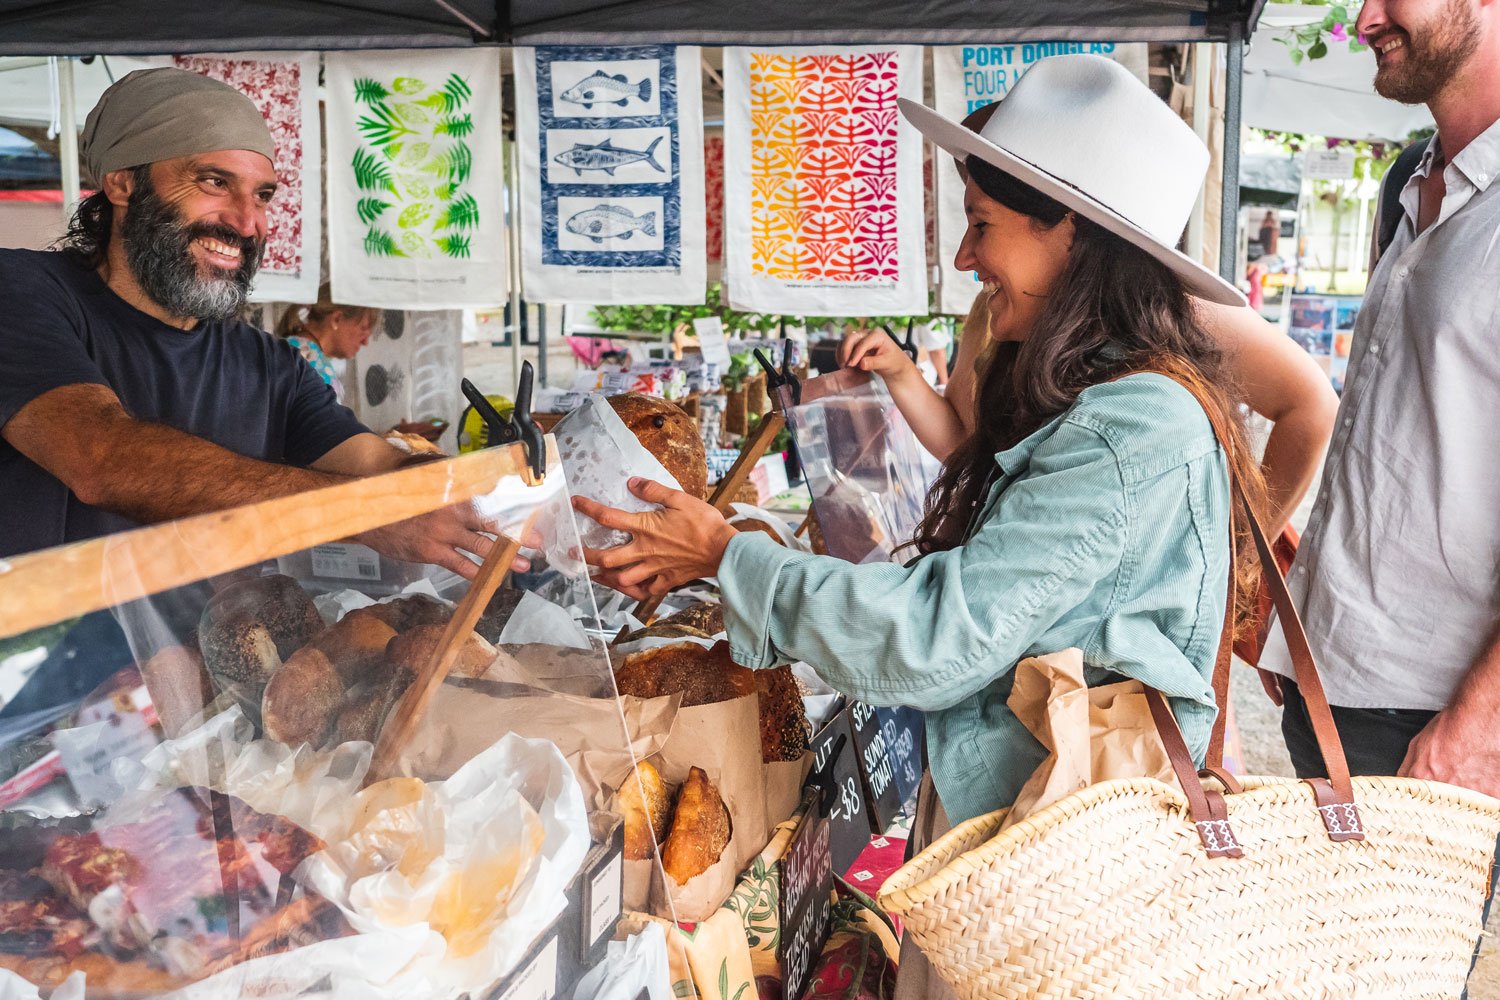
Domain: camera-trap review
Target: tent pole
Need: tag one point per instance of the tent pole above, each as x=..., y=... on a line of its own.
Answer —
x=513, y=181
x=1203, y=55
x=67, y=139
x=1229, y=212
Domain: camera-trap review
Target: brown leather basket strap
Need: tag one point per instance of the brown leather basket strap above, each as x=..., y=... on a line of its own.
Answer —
x=1335, y=796
x=1222, y=662
x=1206, y=806
x=1230, y=782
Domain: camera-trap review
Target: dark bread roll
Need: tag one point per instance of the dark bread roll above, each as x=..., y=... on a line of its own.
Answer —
x=406, y=613
x=668, y=433
x=302, y=699
x=706, y=618
x=365, y=711
x=251, y=626
x=410, y=651
x=357, y=644
x=700, y=829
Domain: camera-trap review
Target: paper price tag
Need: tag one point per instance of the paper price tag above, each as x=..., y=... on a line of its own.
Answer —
x=604, y=899
x=538, y=980
x=711, y=340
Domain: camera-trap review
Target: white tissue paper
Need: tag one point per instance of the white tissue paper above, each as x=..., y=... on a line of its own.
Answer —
x=600, y=456
x=478, y=864
x=631, y=969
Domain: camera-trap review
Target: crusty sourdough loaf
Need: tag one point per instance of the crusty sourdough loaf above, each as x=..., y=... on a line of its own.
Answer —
x=700, y=829
x=668, y=433
x=645, y=802
x=251, y=626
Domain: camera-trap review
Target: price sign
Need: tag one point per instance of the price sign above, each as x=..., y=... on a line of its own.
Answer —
x=806, y=884
x=1335, y=164
x=712, y=342
x=836, y=771
x=903, y=731
x=874, y=766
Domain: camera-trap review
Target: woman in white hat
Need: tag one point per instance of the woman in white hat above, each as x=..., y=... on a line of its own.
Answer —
x=1280, y=381
x=1090, y=508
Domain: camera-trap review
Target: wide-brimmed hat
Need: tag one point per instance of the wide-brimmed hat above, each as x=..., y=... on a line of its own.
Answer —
x=1084, y=131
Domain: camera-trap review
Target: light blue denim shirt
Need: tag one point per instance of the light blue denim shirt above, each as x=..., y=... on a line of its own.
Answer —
x=1107, y=529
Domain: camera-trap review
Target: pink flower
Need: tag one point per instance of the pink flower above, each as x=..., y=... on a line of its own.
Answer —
x=1338, y=33
x=1333, y=143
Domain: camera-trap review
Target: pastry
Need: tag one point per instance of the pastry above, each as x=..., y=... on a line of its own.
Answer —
x=783, y=719
x=706, y=618
x=405, y=613
x=700, y=829
x=410, y=652
x=302, y=699
x=644, y=803
x=251, y=626
x=670, y=435
x=179, y=686
x=702, y=676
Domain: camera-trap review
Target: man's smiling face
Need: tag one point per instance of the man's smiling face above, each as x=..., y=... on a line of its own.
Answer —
x=1419, y=45
x=195, y=229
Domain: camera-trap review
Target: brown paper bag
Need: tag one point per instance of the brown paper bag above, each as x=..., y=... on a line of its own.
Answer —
x=1091, y=734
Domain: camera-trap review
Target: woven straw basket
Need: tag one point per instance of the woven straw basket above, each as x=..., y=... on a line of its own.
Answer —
x=1326, y=887
x=1109, y=894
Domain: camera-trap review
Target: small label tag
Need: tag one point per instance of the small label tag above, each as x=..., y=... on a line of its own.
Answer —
x=346, y=562
x=604, y=899
x=538, y=981
x=1218, y=839
x=1342, y=821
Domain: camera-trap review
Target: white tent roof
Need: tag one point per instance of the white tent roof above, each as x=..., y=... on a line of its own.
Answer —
x=1330, y=97
x=27, y=97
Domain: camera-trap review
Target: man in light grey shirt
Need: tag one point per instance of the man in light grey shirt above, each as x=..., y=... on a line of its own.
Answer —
x=1398, y=577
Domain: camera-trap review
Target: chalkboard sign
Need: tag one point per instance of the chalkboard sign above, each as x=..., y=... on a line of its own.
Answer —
x=902, y=729
x=874, y=766
x=836, y=772
x=806, y=884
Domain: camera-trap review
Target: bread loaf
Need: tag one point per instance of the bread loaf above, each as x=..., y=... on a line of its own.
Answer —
x=356, y=645
x=410, y=651
x=783, y=719
x=700, y=829
x=365, y=711
x=179, y=686
x=702, y=676
x=645, y=803
x=302, y=699
x=251, y=626
x=670, y=435
x=409, y=612
x=706, y=618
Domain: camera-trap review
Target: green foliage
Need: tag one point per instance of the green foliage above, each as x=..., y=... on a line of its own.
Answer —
x=454, y=245
x=454, y=95
x=370, y=174
x=1311, y=41
x=382, y=125
x=458, y=126
x=455, y=165
x=379, y=243
x=446, y=190
x=369, y=209
x=460, y=214
x=367, y=91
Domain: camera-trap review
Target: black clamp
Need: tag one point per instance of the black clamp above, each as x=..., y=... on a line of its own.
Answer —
x=908, y=347
x=783, y=386
x=519, y=428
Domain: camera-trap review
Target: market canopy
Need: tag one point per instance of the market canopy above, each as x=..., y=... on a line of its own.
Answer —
x=71, y=27
x=1330, y=97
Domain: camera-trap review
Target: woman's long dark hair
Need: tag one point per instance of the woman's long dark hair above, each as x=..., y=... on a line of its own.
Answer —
x=1113, y=310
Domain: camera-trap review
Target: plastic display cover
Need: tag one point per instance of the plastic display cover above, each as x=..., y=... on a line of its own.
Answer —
x=293, y=772
x=867, y=473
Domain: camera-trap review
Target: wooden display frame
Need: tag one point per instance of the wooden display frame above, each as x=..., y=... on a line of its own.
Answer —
x=42, y=588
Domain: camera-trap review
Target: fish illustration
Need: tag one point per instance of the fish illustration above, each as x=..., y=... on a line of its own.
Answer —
x=606, y=157
x=603, y=89
x=607, y=222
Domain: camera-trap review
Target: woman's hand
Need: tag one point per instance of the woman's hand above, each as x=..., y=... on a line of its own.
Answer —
x=875, y=351
x=683, y=541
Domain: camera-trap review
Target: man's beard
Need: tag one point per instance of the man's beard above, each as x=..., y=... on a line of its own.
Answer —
x=159, y=249
x=1432, y=59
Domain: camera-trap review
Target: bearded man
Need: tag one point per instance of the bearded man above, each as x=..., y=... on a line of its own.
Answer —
x=1398, y=577
x=130, y=392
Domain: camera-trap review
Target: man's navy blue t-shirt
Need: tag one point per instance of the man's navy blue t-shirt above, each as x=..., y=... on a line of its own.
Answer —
x=224, y=381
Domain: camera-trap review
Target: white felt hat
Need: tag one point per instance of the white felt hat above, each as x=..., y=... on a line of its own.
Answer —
x=1084, y=131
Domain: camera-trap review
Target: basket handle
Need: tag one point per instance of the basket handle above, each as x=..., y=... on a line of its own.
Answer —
x=1335, y=794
